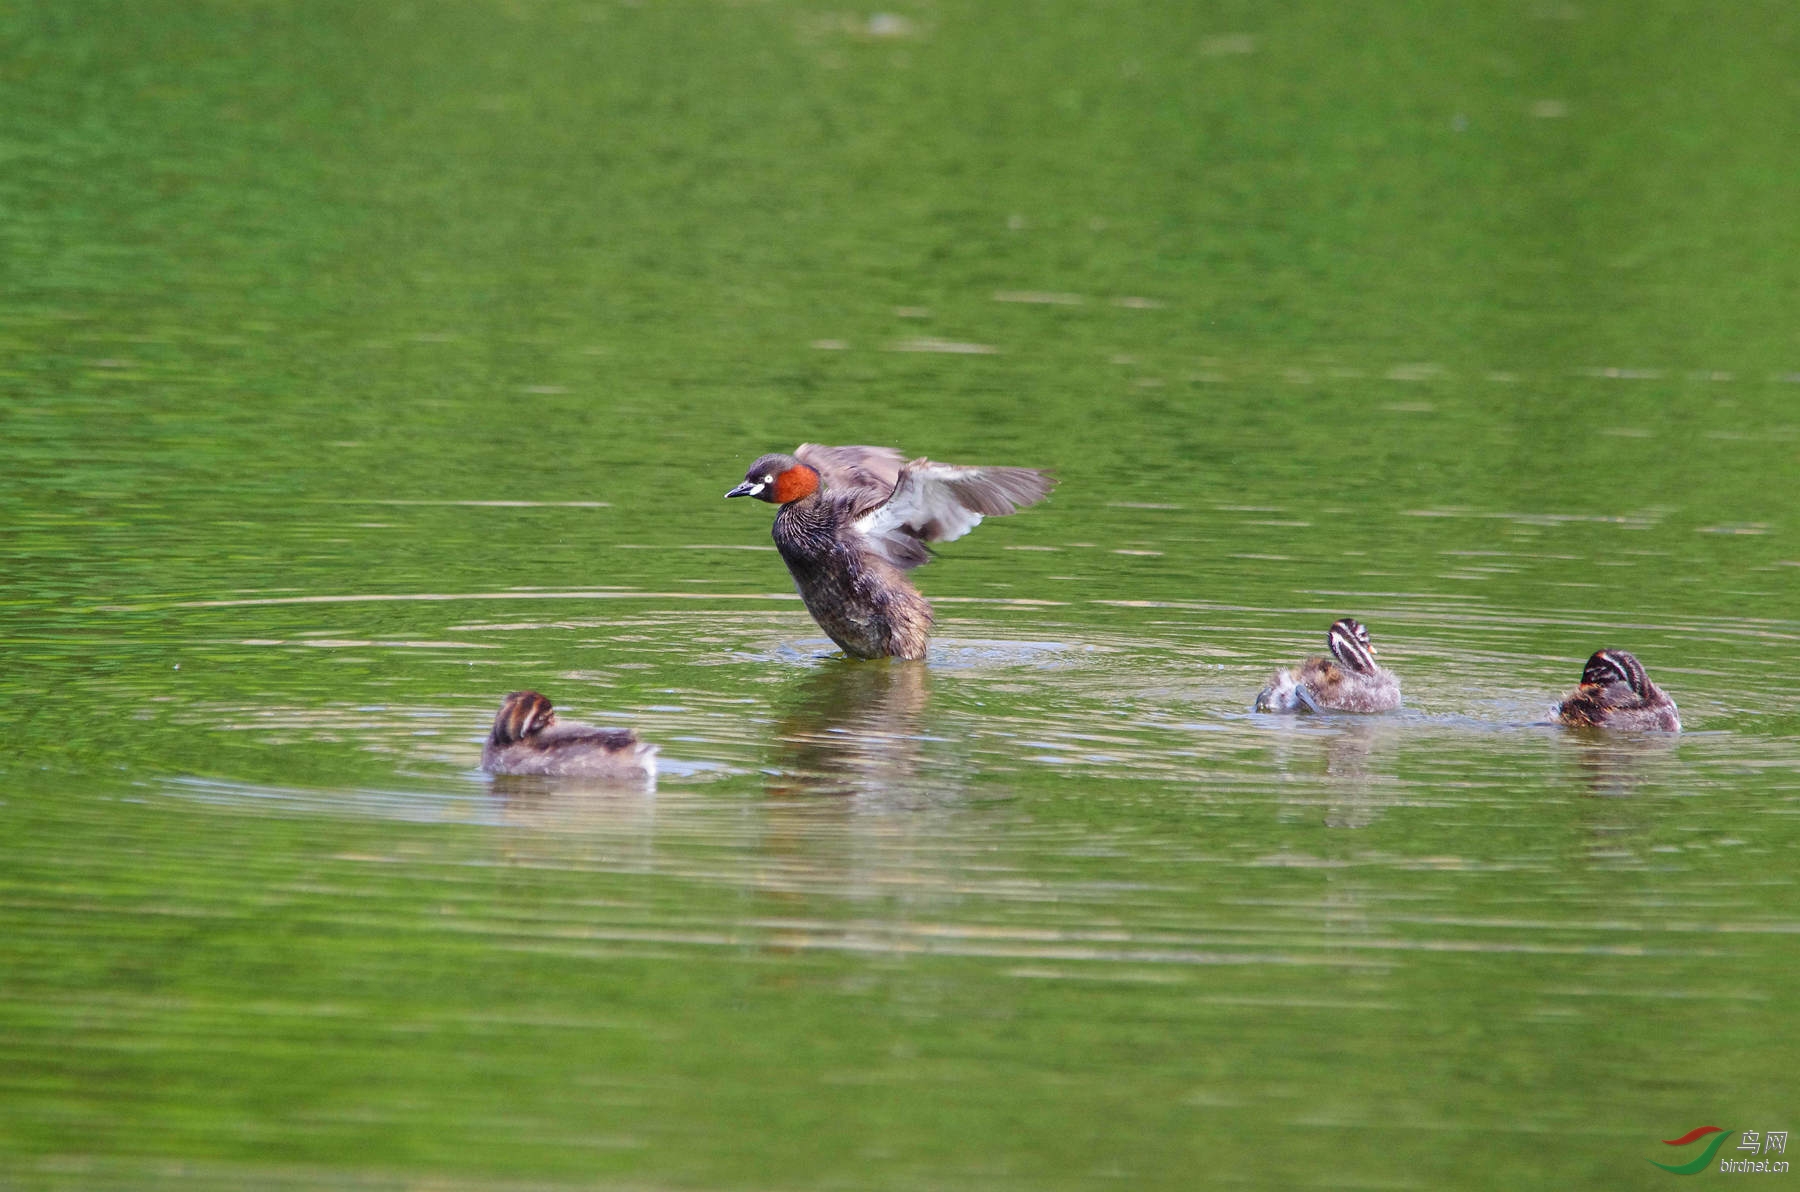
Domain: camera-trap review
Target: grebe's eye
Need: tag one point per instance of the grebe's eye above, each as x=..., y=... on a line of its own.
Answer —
x=768, y=480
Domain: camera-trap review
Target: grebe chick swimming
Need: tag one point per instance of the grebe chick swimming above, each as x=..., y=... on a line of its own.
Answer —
x=1348, y=681
x=528, y=739
x=855, y=520
x=1616, y=693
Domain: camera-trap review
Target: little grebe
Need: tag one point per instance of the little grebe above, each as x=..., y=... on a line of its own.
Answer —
x=1348, y=681
x=854, y=520
x=1616, y=693
x=528, y=739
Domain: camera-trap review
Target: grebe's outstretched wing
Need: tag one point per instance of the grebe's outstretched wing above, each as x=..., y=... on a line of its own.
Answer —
x=934, y=502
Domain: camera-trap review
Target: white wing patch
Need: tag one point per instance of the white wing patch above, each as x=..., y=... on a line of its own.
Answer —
x=923, y=505
x=942, y=502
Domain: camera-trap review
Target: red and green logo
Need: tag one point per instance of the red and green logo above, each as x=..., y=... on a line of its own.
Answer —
x=1720, y=1134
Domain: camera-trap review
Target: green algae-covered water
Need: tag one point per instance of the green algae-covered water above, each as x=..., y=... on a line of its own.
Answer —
x=362, y=363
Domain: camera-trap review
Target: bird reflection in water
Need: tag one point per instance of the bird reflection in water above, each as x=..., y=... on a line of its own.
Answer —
x=1350, y=784
x=853, y=728
x=1356, y=786
x=1619, y=827
x=579, y=823
x=1614, y=765
x=852, y=732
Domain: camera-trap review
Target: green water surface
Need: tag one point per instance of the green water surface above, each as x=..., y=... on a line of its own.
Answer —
x=360, y=363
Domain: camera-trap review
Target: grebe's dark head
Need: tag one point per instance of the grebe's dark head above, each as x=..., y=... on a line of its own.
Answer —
x=1349, y=643
x=777, y=479
x=1615, y=666
x=522, y=714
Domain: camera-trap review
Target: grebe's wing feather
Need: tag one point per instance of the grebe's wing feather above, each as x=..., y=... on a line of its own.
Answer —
x=934, y=502
x=614, y=740
x=845, y=468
